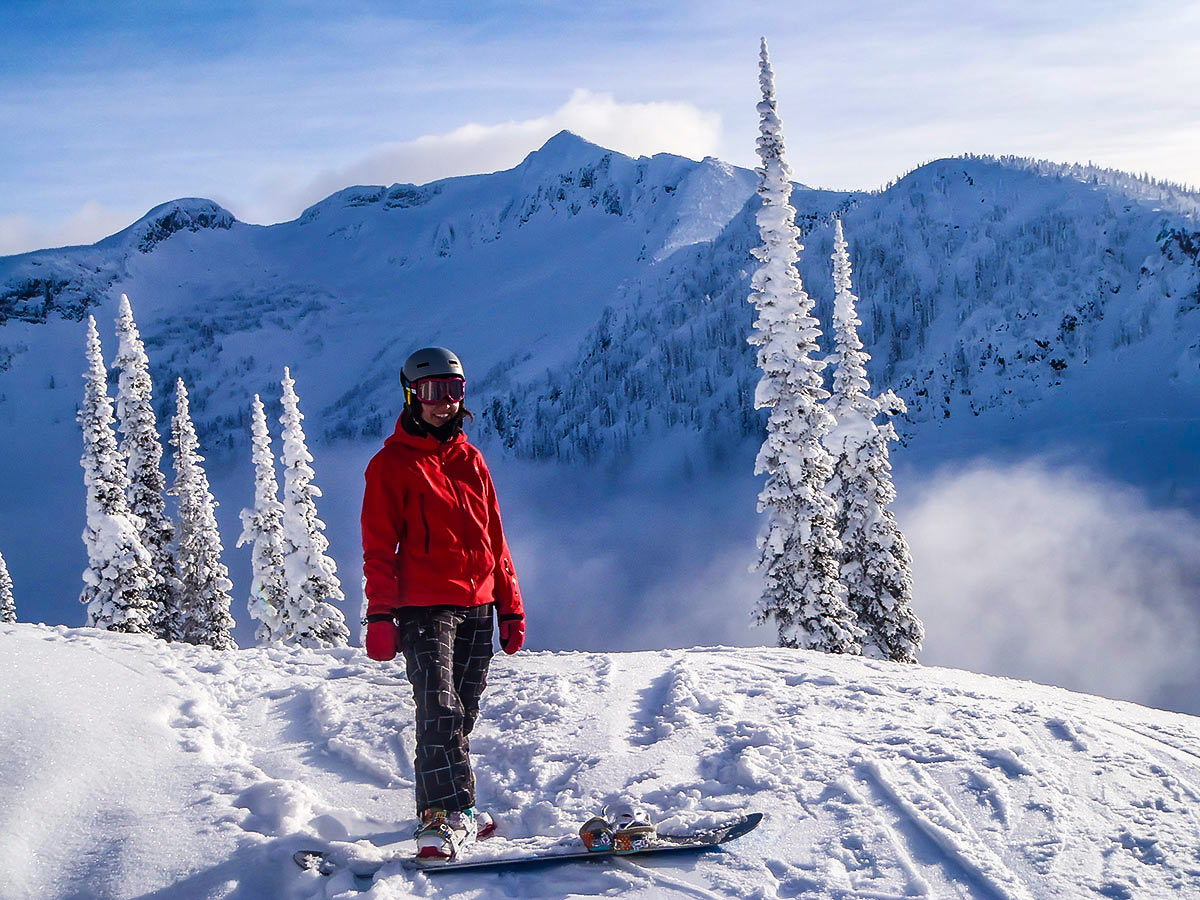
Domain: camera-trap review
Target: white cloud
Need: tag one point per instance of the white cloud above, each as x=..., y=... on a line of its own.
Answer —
x=631, y=128
x=1030, y=571
x=611, y=566
x=1058, y=577
x=88, y=224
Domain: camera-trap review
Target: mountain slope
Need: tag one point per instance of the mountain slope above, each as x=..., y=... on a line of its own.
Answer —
x=1020, y=309
x=206, y=770
x=987, y=291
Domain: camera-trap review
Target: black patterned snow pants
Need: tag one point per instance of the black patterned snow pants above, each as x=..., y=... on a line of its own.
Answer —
x=447, y=650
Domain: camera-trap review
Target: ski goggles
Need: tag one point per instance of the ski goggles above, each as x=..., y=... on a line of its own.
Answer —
x=435, y=390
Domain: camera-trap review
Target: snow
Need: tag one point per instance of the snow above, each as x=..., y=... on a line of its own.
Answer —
x=131, y=767
x=709, y=197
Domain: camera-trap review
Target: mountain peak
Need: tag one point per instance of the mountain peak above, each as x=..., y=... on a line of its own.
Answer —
x=166, y=219
x=566, y=150
x=567, y=139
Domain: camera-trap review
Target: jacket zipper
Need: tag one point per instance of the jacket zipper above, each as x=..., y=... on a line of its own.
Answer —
x=425, y=522
x=458, y=497
x=462, y=506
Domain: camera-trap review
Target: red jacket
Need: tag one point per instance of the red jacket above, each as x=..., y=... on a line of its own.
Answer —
x=431, y=528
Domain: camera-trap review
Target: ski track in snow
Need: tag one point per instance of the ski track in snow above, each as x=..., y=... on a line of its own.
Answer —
x=879, y=781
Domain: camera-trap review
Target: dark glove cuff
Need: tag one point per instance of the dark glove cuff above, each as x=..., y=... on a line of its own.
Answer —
x=512, y=617
x=380, y=617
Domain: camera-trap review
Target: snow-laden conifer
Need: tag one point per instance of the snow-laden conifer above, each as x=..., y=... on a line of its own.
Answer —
x=262, y=527
x=311, y=618
x=8, y=603
x=203, y=613
x=362, y=612
x=120, y=576
x=876, y=565
x=799, y=549
x=142, y=450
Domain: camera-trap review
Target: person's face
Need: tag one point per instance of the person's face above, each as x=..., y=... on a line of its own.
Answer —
x=441, y=412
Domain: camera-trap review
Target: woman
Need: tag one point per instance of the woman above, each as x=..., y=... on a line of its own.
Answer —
x=437, y=567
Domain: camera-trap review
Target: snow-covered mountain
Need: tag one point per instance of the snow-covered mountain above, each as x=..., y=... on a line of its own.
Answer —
x=578, y=278
x=133, y=768
x=986, y=288
x=599, y=302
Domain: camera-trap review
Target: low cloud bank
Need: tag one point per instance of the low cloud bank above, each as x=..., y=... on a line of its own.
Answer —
x=1058, y=576
x=1030, y=571
x=610, y=567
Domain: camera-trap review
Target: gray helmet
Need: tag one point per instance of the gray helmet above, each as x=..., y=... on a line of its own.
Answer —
x=430, y=362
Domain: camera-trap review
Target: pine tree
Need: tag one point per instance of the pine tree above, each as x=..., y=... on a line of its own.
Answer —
x=262, y=526
x=203, y=613
x=876, y=566
x=312, y=619
x=120, y=576
x=142, y=451
x=362, y=613
x=8, y=605
x=849, y=402
x=798, y=552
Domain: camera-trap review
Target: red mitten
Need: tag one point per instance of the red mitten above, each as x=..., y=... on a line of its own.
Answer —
x=512, y=633
x=383, y=637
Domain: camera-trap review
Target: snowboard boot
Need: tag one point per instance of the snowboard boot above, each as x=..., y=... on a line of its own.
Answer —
x=597, y=834
x=443, y=835
x=632, y=828
x=485, y=825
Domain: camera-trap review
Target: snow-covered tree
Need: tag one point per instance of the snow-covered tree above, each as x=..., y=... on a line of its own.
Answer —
x=311, y=616
x=876, y=566
x=203, y=612
x=262, y=527
x=799, y=549
x=8, y=604
x=119, y=579
x=362, y=613
x=142, y=450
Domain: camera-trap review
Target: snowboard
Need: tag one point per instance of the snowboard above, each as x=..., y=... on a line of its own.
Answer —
x=566, y=851
x=323, y=862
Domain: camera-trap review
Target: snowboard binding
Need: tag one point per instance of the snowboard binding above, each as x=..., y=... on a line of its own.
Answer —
x=597, y=834
x=622, y=828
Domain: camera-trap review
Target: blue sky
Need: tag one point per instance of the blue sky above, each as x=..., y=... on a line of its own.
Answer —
x=111, y=108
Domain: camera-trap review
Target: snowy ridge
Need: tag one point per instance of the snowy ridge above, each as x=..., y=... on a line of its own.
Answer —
x=986, y=289
x=192, y=214
x=879, y=780
x=985, y=285
x=1175, y=197
x=67, y=281
x=673, y=201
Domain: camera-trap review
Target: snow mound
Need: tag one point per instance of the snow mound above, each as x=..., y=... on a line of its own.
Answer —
x=131, y=767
